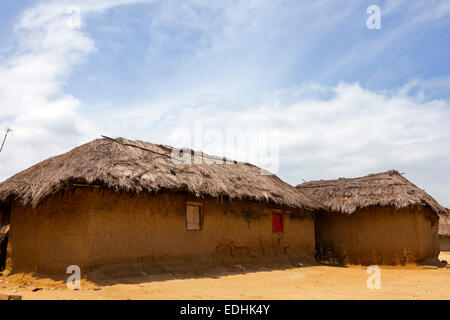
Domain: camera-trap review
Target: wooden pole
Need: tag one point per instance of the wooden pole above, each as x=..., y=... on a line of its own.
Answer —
x=4, y=139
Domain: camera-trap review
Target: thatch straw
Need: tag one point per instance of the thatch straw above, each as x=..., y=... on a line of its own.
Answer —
x=146, y=167
x=388, y=189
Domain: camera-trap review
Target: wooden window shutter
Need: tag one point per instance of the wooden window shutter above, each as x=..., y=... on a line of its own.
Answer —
x=277, y=221
x=193, y=217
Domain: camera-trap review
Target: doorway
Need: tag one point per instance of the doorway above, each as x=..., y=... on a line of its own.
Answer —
x=5, y=211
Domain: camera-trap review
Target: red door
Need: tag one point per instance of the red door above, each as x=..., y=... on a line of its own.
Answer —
x=277, y=221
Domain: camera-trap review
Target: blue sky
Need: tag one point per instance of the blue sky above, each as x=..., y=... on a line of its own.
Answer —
x=267, y=48
x=346, y=100
x=148, y=56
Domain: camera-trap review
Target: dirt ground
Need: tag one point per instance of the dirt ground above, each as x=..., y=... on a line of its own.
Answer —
x=241, y=282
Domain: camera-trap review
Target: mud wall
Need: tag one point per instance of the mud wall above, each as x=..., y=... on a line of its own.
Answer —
x=444, y=242
x=43, y=239
x=22, y=244
x=378, y=236
x=94, y=228
x=444, y=232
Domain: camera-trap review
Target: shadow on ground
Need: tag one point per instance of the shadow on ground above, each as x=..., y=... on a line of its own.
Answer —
x=138, y=273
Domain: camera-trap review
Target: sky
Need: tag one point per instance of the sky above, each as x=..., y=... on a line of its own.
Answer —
x=336, y=98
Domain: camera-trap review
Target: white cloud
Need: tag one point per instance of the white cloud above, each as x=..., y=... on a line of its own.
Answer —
x=33, y=101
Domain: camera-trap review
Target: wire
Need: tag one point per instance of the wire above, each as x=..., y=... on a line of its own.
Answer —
x=171, y=148
x=8, y=130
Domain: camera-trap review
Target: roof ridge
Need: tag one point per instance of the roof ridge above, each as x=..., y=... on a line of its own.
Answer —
x=182, y=149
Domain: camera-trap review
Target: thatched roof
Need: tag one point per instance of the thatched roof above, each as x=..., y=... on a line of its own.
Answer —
x=136, y=166
x=382, y=189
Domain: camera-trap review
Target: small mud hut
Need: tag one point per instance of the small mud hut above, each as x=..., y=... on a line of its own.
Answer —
x=121, y=202
x=377, y=219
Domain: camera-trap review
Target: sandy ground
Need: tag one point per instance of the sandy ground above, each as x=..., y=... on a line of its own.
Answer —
x=309, y=282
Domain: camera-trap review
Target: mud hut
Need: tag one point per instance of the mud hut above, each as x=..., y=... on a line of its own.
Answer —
x=377, y=219
x=121, y=202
